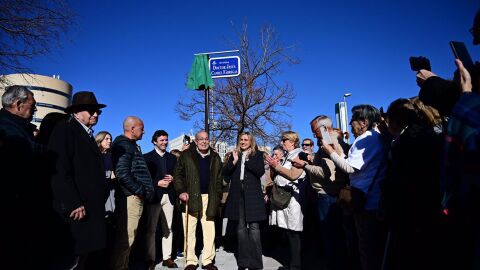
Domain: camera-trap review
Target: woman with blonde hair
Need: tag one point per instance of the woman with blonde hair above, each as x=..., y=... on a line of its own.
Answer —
x=104, y=143
x=289, y=178
x=245, y=203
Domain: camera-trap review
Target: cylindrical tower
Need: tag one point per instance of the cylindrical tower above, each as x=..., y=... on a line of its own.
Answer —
x=51, y=93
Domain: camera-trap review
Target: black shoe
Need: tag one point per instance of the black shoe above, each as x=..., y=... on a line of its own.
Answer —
x=191, y=267
x=169, y=263
x=209, y=266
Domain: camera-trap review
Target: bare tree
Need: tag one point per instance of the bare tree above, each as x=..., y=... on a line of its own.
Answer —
x=29, y=28
x=255, y=101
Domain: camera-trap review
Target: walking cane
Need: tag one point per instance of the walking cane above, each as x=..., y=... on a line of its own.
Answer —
x=185, y=242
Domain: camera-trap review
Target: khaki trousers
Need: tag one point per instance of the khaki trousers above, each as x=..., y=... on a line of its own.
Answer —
x=128, y=218
x=208, y=229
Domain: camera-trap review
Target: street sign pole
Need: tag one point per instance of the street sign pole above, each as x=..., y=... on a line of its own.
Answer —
x=231, y=72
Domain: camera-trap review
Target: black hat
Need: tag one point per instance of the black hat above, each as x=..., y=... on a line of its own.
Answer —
x=84, y=99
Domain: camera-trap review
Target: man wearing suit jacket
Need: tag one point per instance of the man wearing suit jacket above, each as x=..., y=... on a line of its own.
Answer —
x=78, y=184
x=161, y=165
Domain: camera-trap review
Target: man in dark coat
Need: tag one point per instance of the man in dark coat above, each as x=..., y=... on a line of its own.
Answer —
x=18, y=154
x=78, y=184
x=198, y=181
x=161, y=165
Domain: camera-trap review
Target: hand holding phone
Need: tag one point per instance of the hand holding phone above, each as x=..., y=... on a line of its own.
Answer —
x=460, y=52
x=419, y=63
x=326, y=136
x=303, y=156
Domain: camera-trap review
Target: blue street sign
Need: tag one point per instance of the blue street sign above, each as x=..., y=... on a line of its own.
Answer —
x=222, y=67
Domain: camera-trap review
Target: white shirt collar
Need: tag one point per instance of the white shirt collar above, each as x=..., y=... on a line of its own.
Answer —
x=159, y=152
x=203, y=155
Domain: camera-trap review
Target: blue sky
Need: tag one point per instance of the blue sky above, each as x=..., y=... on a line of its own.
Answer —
x=135, y=55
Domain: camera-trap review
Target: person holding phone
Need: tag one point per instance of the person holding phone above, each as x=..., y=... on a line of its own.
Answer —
x=326, y=180
x=366, y=167
x=161, y=165
x=461, y=194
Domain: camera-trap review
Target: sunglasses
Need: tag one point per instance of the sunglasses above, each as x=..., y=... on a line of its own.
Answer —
x=284, y=140
x=93, y=111
x=307, y=144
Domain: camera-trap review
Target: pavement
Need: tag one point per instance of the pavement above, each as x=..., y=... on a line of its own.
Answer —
x=226, y=261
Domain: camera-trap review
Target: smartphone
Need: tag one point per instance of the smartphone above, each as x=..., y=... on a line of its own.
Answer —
x=420, y=62
x=303, y=156
x=460, y=52
x=325, y=135
x=186, y=140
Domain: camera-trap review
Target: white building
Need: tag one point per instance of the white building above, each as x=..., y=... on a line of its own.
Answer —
x=51, y=93
x=177, y=142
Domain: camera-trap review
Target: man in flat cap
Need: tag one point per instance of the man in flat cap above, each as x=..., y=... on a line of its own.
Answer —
x=78, y=185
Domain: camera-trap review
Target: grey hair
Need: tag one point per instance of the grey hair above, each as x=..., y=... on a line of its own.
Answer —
x=322, y=120
x=13, y=94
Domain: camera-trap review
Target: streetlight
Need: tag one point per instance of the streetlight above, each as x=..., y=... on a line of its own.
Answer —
x=346, y=110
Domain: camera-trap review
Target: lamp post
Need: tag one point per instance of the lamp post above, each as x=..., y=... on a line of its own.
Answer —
x=346, y=110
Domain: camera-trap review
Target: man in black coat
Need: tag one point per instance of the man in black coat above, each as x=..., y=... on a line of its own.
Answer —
x=78, y=184
x=18, y=156
x=161, y=165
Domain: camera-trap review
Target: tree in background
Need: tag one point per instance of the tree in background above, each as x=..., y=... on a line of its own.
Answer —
x=255, y=101
x=30, y=28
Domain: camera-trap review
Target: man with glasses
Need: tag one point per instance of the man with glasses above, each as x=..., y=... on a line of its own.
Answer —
x=307, y=147
x=161, y=165
x=136, y=188
x=198, y=181
x=78, y=185
x=327, y=181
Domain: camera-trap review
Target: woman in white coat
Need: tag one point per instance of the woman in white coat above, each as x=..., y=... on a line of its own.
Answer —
x=290, y=218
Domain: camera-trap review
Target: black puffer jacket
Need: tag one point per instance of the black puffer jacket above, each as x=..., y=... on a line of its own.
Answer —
x=131, y=169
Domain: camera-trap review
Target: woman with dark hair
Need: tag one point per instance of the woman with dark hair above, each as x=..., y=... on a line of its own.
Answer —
x=245, y=202
x=366, y=166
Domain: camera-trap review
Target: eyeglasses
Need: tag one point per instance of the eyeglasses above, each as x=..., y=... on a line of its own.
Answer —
x=202, y=139
x=284, y=140
x=307, y=144
x=93, y=111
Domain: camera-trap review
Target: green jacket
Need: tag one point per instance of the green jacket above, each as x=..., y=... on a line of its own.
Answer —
x=187, y=179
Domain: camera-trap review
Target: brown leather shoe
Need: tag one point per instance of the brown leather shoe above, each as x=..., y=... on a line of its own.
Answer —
x=209, y=266
x=169, y=263
x=191, y=267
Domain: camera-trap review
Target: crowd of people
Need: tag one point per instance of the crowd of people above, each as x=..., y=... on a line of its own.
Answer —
x=404, y=195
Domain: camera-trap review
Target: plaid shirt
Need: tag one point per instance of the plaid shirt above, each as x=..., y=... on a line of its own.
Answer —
x=462, y=152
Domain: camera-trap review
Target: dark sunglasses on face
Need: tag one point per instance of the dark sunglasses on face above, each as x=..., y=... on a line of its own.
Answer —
x=93, y=111
x=307, y=144
x=284, y=140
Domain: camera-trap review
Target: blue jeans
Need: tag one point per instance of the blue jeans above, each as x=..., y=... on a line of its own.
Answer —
x=332, y=231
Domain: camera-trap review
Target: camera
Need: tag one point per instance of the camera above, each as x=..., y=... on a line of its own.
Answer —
x=186, y=140
x=303, y=156
x=420, y=62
